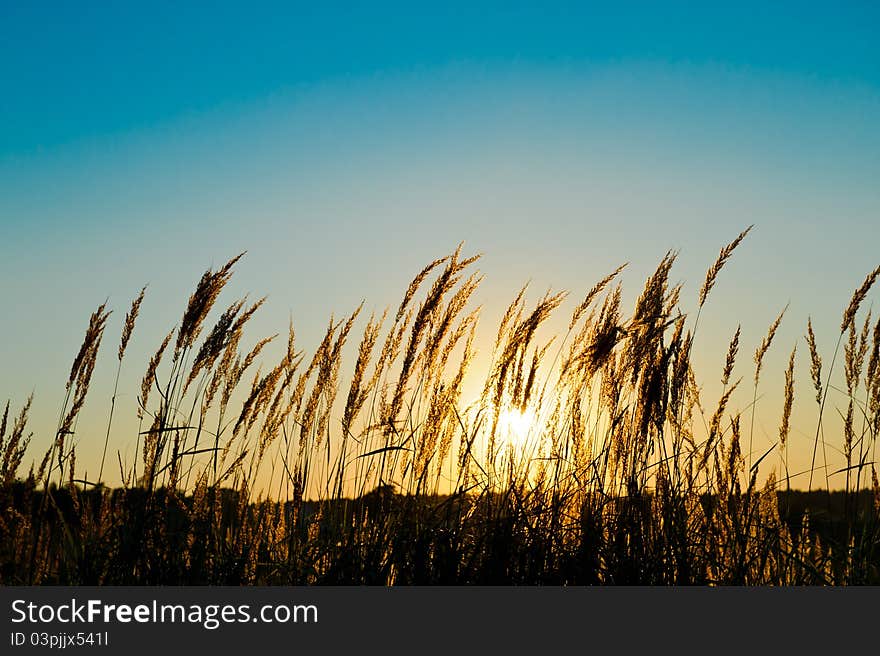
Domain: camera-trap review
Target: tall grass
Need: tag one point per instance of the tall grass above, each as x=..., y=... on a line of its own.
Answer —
x=292, y=472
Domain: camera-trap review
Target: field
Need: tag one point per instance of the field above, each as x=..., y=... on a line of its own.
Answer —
x=588, y=458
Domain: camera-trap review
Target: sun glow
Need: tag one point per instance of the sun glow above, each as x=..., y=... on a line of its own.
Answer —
x=517, y=426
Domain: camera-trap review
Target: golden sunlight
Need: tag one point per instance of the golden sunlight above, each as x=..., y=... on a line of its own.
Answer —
x=516, y=426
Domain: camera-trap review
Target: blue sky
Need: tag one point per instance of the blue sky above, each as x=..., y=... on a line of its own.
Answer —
x=78, y=70
x=345, y=146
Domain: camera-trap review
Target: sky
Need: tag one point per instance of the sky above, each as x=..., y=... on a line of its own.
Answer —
x=345, y=146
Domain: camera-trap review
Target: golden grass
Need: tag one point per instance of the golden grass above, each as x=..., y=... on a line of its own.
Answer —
x=291, y=471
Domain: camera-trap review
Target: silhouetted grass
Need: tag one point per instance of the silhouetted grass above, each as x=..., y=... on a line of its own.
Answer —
x=249, y=472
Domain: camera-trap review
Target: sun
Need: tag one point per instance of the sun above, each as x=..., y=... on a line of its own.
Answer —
x=516, y=426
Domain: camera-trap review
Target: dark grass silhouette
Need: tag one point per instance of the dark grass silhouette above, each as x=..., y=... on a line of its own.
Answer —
x=385, y=477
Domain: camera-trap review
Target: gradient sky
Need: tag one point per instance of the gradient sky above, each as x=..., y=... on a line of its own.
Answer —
x=345, y=146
